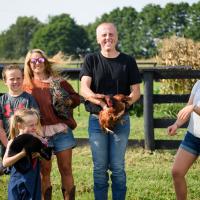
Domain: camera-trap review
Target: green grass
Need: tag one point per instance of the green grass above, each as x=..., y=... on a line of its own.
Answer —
x=148, y=176
x=3, y=87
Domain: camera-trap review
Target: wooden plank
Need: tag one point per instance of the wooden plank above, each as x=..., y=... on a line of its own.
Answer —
x=158, y=72
x=170, y=98
x=165, y=72
x=148, y=111
x=164, y=123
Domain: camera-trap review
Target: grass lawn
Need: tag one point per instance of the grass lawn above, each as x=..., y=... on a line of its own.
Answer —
x=148, y=174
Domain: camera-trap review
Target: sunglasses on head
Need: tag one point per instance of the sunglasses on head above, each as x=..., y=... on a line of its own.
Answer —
x=37, y=60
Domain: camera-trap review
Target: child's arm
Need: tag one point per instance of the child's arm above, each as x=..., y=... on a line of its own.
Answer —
x=8, y=161
x=182, y=117
x=3, y=137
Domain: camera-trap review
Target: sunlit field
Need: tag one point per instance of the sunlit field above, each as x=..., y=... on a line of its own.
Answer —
x=148, y=173
x=148, y=176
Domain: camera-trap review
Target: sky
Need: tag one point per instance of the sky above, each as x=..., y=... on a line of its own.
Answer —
x=82, y=11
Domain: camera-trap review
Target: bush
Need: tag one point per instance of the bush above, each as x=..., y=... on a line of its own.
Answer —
x=167, y=110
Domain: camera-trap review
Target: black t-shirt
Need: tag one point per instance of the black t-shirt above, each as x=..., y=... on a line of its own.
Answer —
x=110, y=75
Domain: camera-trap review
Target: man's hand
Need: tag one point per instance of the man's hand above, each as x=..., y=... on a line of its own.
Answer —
x=99, y=96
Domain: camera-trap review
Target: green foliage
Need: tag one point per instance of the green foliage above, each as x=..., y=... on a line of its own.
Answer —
x=61, y=34
x=192, y=30
x=139, y=32
x=174, y=19
x=149, y=22
x=137, y=110
x=168, y=111
x=14, y=42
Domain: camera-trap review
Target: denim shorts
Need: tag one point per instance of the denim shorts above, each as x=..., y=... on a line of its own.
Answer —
x=191, y=144
x=62, y=141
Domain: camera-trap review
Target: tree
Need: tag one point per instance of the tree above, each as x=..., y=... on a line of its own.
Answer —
x=61, y=34
x=192, y=30
x=148, y=30
x=138, y=31
x=14, y=43
x=174, y=19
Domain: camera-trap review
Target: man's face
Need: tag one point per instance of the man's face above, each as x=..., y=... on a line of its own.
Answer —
x=107, y=37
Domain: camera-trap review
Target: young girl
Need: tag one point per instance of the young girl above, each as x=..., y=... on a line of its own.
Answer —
x=189, y=149
x=23, y=185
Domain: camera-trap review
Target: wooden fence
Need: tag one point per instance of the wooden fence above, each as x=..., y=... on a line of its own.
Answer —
x=148, y=99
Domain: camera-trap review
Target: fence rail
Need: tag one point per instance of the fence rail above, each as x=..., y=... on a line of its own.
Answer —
x=149, y=75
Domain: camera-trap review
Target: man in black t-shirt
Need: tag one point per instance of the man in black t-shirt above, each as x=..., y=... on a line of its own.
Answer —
x=108, y=72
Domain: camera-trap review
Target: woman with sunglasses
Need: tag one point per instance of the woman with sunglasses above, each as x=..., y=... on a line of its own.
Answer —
x=38, y=75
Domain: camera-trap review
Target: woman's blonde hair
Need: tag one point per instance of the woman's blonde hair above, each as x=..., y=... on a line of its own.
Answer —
x=19, y=118
x=28, y=73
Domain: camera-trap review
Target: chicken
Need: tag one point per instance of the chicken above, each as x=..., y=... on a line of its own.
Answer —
x=109, y=117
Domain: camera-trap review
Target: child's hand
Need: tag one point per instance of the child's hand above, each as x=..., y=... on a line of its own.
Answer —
x=171, y=130
x=35, y=155
x=44, y=140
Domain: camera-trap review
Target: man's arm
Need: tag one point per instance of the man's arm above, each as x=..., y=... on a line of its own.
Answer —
x=135, y=93
x=88, y=94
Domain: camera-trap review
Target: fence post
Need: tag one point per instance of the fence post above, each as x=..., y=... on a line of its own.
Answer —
x=148, y=110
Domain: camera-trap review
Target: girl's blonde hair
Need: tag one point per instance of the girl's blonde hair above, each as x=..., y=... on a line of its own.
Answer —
x=19, y=118
x=28, y=73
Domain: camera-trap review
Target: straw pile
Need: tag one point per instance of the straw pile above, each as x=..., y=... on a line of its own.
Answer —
x=176, y=51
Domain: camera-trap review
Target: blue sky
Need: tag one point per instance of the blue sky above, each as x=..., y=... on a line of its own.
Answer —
x=82, y=11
